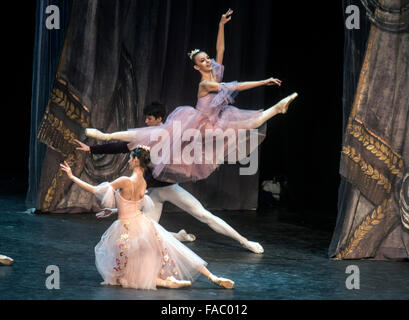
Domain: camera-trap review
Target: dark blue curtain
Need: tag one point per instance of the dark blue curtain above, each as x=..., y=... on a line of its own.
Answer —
x=47, y=49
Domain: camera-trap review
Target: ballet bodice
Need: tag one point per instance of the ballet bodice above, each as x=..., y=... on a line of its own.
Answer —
x=204, y=104
x=211, y=104
x=127, y=208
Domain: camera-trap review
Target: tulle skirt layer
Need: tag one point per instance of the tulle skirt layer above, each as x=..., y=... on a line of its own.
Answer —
x=192, y=143
x=135, y=252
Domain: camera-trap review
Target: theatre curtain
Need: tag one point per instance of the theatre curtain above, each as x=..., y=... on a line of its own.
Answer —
x=373, y=210
x=47, y=50
x=119, y=56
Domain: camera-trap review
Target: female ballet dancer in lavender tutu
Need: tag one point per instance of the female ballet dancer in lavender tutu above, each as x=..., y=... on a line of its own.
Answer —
x=212, y=114
x=135, y=251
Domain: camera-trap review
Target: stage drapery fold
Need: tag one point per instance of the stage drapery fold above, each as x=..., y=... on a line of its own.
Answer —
x=373, y=219
x=47, y=49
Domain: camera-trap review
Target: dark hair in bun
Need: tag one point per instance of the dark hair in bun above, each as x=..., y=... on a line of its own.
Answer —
x=143, y=156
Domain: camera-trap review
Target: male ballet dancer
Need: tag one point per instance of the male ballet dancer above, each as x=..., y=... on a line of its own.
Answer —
x=160, y=192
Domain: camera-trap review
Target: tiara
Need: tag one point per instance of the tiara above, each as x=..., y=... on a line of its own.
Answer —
x=192, y=53
x=141, y=146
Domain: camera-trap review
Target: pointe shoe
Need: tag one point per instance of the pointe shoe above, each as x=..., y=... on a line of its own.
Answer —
x=222, y=282
x=183, y=236
x=173, y=283
x=253, y=247
x=285, y=103
x=96, y=134
x=7, y=261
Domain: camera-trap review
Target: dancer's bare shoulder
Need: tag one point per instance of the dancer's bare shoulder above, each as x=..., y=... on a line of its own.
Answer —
x=121, y=183
x=207, y=86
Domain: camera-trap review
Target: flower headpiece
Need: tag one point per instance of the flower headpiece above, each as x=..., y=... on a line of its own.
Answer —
x=141, y=146
x=192, y=53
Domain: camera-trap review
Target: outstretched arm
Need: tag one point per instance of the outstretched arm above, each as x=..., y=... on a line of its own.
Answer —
x=120, y=135
x=86, y=186
x=211, y=86
x=107, y=148
x=220, y=36
x=241, y=86
x=117, y=184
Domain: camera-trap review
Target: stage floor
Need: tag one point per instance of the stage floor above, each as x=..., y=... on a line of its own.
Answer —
x=295, y=264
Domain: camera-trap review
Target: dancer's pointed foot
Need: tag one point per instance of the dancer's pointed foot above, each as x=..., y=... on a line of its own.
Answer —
x=183, y=236
x=285, y=103
x=96, y=134
x=7, y=261
x=253, y=246
x=173, y=283
x=222, y=282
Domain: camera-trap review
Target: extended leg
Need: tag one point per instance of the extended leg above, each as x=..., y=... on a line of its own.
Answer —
x=187, y=202
x=156, y=212
x=120, y=135
x=280, y=107
x=223, y=282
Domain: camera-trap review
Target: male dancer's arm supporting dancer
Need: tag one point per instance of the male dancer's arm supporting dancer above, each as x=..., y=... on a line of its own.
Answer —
x=160, y=192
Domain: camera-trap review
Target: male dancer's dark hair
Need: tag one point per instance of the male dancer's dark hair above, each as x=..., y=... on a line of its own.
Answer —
x=155, y=109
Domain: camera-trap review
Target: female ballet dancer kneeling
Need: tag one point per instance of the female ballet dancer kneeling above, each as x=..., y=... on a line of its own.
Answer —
x=135, y=251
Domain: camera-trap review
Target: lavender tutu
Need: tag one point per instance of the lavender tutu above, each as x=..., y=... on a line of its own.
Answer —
x=193, y=142
x=135, y=251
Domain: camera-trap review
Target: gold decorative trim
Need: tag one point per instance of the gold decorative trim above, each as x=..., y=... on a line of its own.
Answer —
x=65, y=84
x=364, y=228
x=377, y=147
x=367, y=169
x=59, y=126
x=56, y=135
x=61, y=99
x=50, y=193
x=58, y=132
x=71, y=160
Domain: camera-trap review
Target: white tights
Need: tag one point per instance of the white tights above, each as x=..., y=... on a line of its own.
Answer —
x=187, y=202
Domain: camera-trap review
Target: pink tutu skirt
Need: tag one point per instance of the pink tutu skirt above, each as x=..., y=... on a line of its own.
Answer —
x=194, y=142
